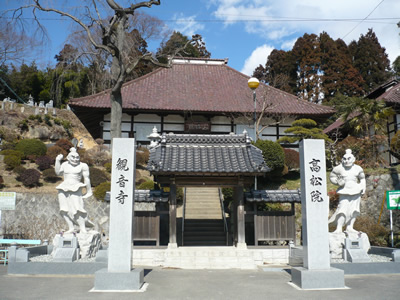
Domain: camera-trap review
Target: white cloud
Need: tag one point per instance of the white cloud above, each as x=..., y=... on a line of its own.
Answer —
x=257, y=57
x=187, y=25
x=280, y=20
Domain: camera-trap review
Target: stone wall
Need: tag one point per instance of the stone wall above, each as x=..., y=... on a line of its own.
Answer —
x=37, y=216
x=371, y=203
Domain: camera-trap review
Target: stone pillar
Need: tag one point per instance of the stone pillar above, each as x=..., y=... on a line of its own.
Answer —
x=119, y=274
x=172, y=217
x=238, y=196
x=316, y=272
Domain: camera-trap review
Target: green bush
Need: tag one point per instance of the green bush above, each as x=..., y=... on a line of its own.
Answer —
x=147, y=185
x=19, y=170
x=30, y=178
x=100, y=190
x=33, y=147
x=12, y=152
x=50, y=175
x=378, y=234
x=273, y=154
x=12, y=161
x=36, y=118
x=97, y=176
x=108, y=167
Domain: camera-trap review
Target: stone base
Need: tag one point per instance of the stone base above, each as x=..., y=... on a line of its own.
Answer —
x=89, y=243
x=113, y=281
x=318, y=279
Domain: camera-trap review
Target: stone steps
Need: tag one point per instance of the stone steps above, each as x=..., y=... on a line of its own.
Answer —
x=210, y=257
x=204, y=225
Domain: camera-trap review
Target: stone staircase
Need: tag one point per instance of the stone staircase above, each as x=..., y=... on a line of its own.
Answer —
x=204, y=224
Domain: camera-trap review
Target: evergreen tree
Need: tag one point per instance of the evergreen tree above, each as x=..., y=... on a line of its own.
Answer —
x=339, y=75
x=371, y=60
x=279, y=71
x=178, y=40
x=396, y=66
x=307, y=55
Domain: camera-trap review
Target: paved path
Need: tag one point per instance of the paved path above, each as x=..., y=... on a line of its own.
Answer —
x=197, y=284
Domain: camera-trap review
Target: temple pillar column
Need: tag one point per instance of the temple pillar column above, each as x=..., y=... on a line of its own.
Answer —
x=172, y=217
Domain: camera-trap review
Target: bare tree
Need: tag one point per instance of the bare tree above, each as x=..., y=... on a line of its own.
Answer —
x=14, y=47
x=265, y=115
x=114, y=38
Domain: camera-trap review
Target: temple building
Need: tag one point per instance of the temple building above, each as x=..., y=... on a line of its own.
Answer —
x=195, y=96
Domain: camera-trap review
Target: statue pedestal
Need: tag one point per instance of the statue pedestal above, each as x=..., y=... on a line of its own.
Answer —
x=88, y=243
x=350, y=246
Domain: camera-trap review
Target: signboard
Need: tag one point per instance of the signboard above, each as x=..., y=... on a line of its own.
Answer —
x=198, y=127
x=7, y=200
x=393, y=200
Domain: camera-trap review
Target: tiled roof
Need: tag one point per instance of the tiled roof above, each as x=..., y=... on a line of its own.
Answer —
x=201, y=87
x=191, y=154
x=392, y=95
x=274, y=196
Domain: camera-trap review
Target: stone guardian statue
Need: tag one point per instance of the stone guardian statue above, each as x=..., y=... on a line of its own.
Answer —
x=70, y=194
x=351, y=181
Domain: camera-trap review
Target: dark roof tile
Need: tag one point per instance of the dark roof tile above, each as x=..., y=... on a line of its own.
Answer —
x=201, y=88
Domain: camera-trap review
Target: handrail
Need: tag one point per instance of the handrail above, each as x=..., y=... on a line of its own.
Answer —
x=183, y=214
x=223, y=214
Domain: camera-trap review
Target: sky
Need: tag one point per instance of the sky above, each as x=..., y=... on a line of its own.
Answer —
x=246, y=31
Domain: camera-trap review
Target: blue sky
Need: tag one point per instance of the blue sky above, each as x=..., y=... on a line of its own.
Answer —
x=246, y=31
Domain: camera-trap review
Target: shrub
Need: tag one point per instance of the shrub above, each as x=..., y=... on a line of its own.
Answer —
x=1, y=182
x=55, y=150
x=12, y=152
x=147, y=185
x=101, y=189
x=47, y=120
x=36, y=117
x=274, y=156
x=97, y=176
x=23, y=125
x=85, y=157
x=378, y=235
x=292, y=159
x=65, y=144
x=31, y=147
x=142, y=156
x=96, y=156
x=19, y=170
x=30, y=178
x=12, y=161
x=44, y=162
x=108, y=167
x=50, y=175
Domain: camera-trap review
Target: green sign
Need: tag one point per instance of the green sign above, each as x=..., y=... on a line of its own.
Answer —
x=7, y=200
x=393, y=199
